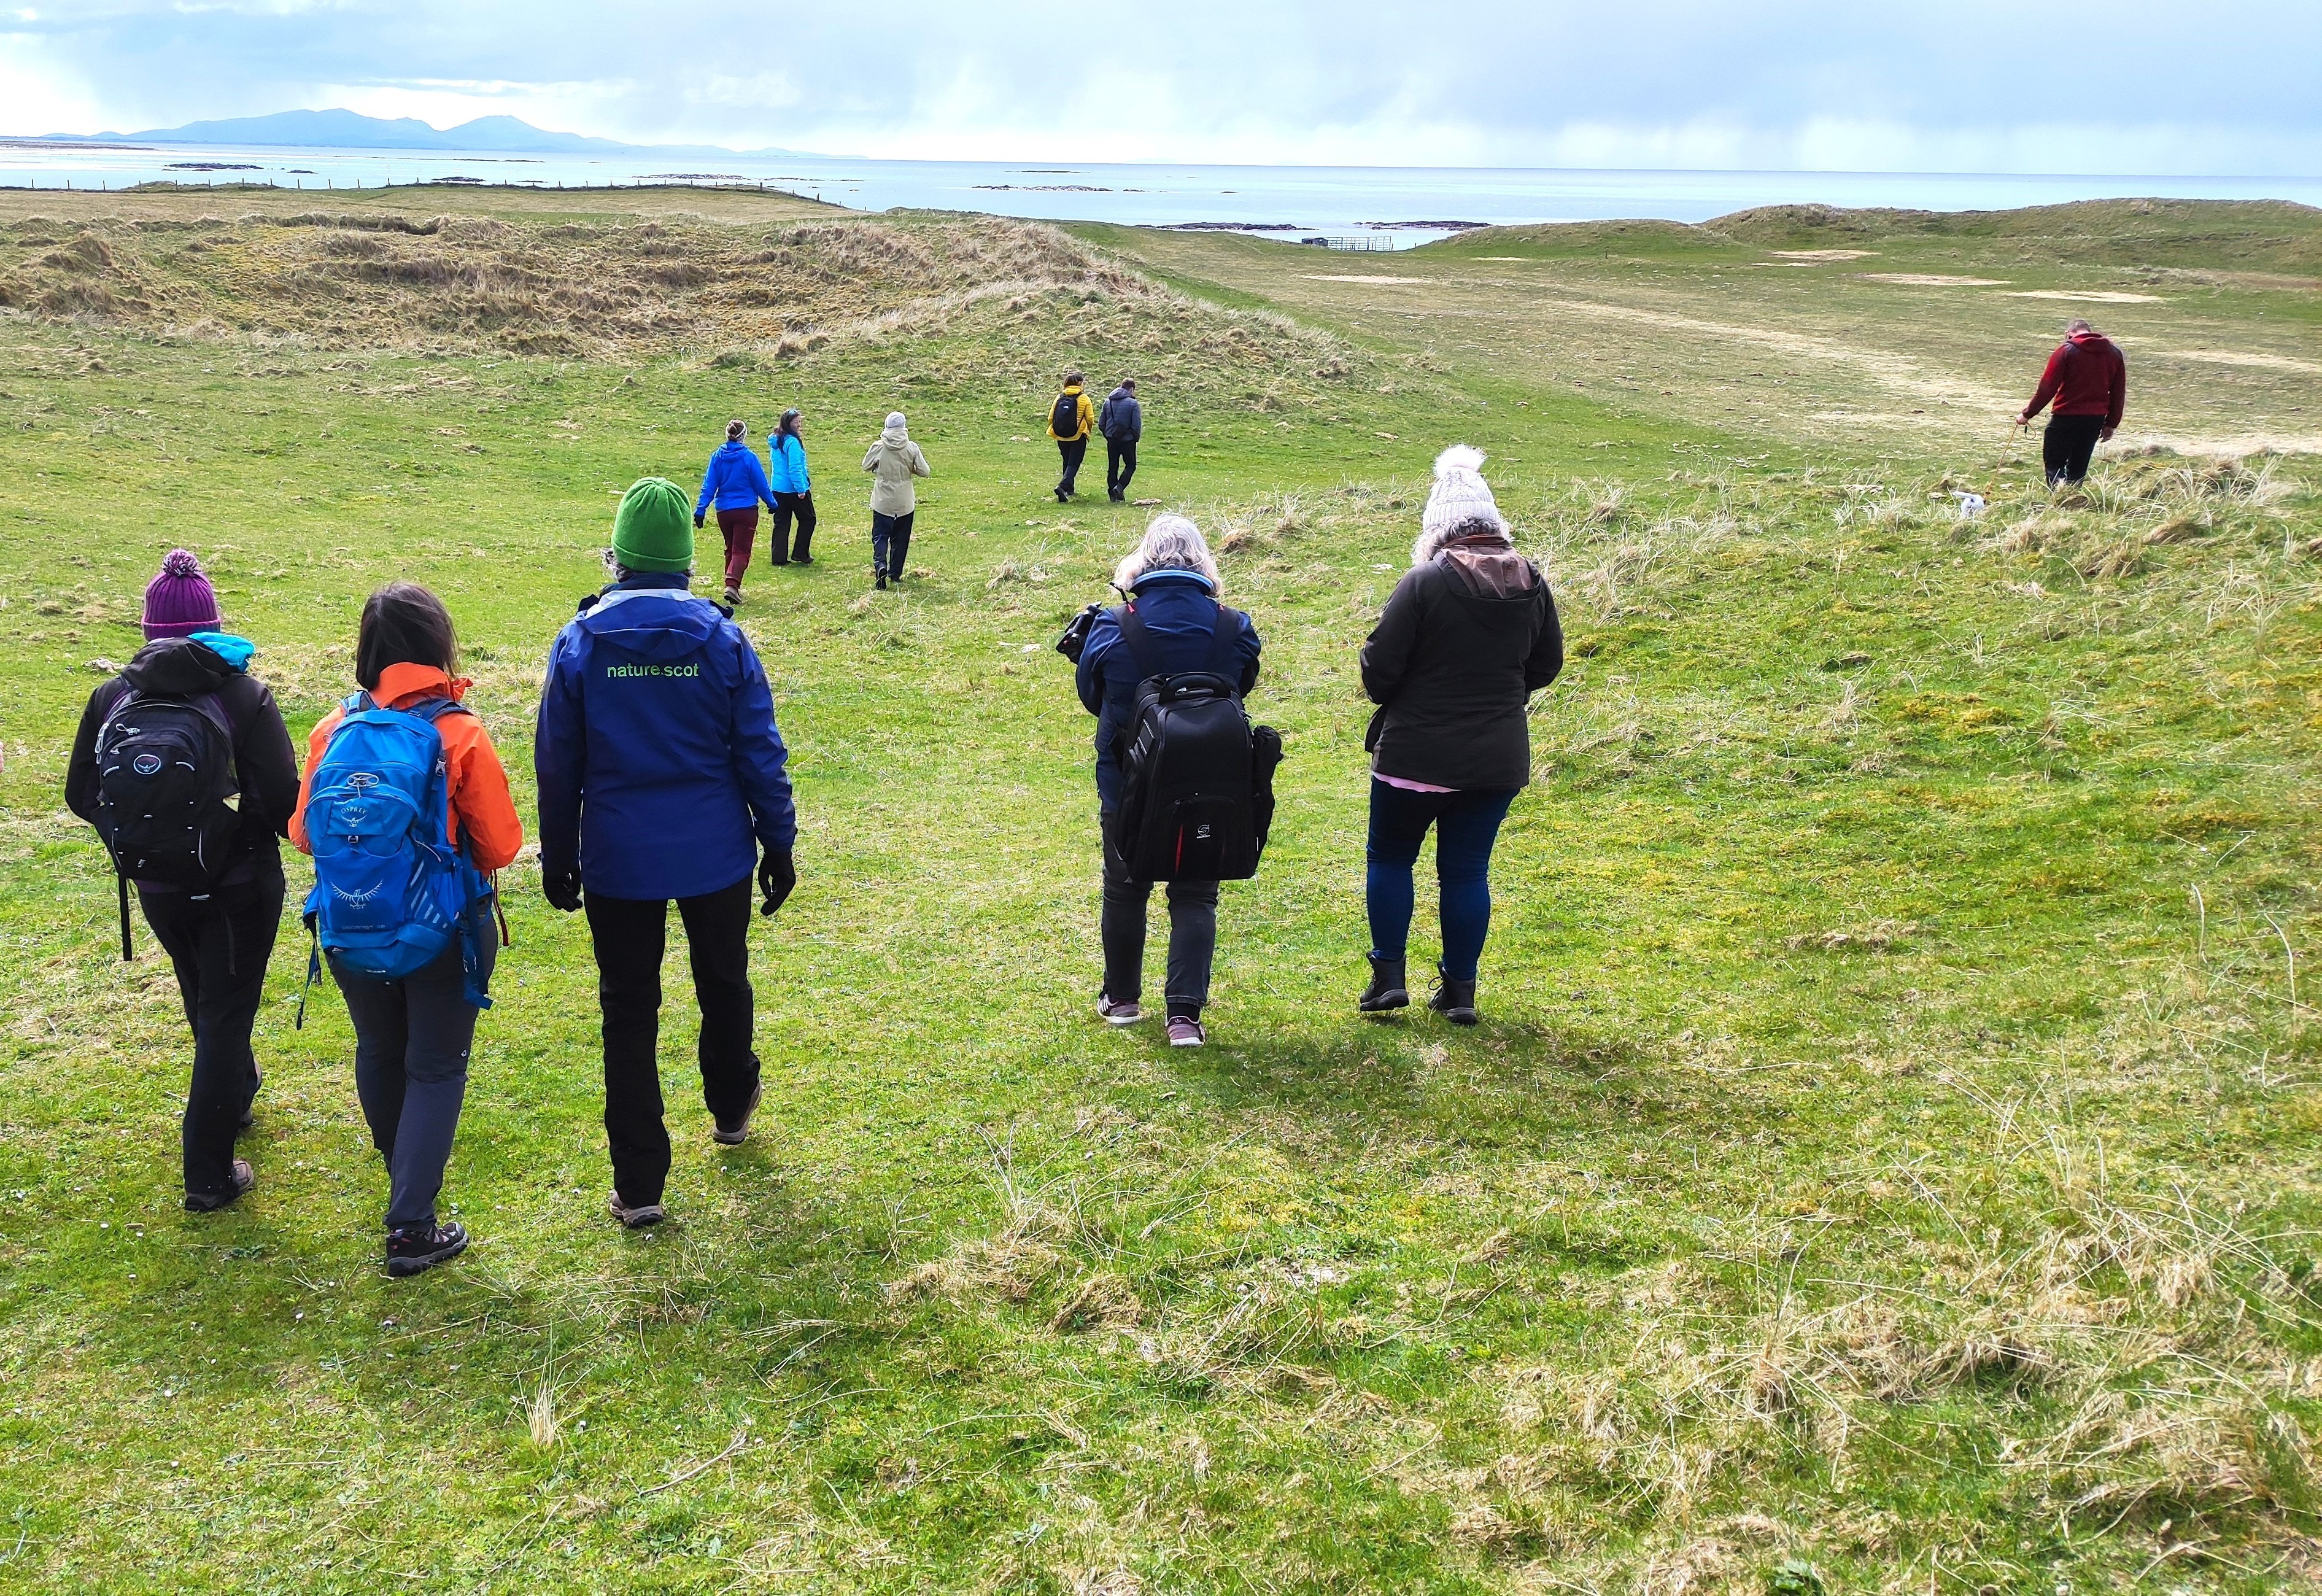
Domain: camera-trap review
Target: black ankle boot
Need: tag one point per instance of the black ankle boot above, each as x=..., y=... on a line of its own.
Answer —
x=1386, y=990
x=1454, y=1000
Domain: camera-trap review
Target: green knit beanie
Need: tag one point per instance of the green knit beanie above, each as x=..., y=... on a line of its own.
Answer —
x=652, y=529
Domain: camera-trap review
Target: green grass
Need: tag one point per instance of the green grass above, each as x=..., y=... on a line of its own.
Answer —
x=1868, y=334
x=1888, y=1157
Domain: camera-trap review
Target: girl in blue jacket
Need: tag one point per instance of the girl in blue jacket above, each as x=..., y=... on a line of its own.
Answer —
x=736, y=481
x=793, y=493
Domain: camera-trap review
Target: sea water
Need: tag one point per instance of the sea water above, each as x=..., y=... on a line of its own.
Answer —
x=1386, y=206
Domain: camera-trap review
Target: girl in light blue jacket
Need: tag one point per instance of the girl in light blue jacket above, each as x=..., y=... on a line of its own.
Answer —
x=793, y=493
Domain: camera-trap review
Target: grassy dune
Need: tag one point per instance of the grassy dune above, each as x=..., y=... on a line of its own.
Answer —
x=1887, y=1162
x=1907, y=334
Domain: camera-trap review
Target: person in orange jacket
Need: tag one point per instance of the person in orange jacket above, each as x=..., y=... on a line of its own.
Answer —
x=413, y=1035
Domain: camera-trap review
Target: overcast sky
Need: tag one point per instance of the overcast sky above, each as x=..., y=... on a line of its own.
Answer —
x=2144, y=87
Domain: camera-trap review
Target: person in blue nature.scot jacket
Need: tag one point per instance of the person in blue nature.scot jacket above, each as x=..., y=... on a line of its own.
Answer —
x=1171, y=579
x=662, y=776
x=737, y=484
x=793, y=492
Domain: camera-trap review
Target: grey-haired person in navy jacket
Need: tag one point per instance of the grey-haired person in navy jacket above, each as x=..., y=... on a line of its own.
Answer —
x=1172, y=582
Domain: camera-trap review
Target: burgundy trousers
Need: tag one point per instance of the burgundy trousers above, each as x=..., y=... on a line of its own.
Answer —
x=741, y=529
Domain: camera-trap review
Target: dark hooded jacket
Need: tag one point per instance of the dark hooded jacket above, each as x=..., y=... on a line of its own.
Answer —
x=1122, y=419
x=265, y=767
x=660, y=768
x=1464, y=640
x=2086, y=376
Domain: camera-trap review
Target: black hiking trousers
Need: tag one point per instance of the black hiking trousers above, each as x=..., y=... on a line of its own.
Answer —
x=2068, y=445
x=1071, y=451
x=1120, y=465
x=218, y=943
x=789, y=508
x=630, y=935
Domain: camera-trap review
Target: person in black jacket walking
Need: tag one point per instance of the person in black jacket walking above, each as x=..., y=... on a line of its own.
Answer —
x=218, y=939
x=1468, y=636
x=1122, y=422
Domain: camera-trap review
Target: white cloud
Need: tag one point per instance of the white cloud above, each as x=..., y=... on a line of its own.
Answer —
x=447, y=102
x=43, y=93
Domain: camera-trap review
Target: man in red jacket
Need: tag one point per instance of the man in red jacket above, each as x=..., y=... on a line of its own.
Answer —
x=2088, y=382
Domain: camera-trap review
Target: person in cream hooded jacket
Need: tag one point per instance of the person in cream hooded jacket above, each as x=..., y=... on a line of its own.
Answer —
x=893, y=461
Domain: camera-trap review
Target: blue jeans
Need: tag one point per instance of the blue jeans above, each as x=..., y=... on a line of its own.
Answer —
x=890, y=540
x=1465, y=825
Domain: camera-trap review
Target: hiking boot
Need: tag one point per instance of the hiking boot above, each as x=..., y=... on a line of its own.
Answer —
x=883, y=581
x=733, y=597
x=1117, y=1014
x=1063, y=497
x=415, y=1249
x=1185, y=1032
x=210, y=1202
x=1387, y=989
x=735, y=1134
x=800, y=560
x=779, y=559
x=1455, y=1000
x=638, y=1217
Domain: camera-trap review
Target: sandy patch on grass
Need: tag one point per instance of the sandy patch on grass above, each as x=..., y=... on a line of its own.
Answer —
x=1519, y=259
x=2235, y=446
x=2090, y=296
x=1878, y=364
x=1933, y=280
x=2236, y=357
x=1360, y=277
x=1814, y=255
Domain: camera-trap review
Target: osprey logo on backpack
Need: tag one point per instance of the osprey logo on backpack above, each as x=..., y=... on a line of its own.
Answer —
x=391, y=892
x=1197, y=790
x=164, y=786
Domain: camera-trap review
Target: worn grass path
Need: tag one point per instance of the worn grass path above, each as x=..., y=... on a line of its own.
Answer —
x=1889, y=1162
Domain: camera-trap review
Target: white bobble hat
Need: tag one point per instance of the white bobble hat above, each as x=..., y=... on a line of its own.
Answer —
x=1460, y=498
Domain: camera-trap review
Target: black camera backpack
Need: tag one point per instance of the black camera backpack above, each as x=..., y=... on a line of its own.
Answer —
x=1197, y=779
x=164, y=779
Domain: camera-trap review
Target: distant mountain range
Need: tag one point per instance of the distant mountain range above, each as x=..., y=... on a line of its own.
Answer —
x=349, y=130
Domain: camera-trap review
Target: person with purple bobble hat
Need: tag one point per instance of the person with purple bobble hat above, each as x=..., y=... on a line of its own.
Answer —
x=219, y=933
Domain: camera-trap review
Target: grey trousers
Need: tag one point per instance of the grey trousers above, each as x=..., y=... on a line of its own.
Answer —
x=412, y=1039
x=1192, y=936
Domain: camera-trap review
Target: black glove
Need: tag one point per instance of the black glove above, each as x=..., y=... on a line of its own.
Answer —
x=776, y=876
x=562, y=888
x=697, y=520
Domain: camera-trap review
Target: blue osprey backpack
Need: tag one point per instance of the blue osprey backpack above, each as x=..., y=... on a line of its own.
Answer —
x=390, y=891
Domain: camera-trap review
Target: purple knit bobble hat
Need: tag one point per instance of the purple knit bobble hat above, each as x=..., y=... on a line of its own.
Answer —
x=181, y=601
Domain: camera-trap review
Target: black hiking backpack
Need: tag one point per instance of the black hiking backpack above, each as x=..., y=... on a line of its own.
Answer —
x=165, y=781
x=1064, y=417
x=1197, y=779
